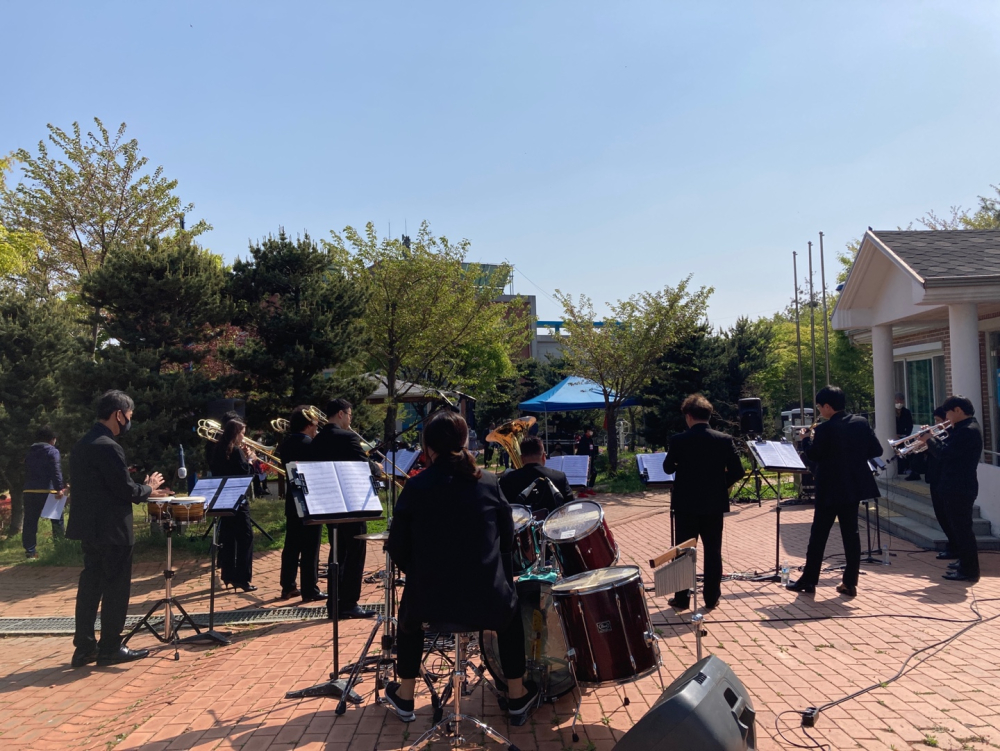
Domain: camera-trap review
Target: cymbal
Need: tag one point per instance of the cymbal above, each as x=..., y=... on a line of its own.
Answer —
x=383, y=536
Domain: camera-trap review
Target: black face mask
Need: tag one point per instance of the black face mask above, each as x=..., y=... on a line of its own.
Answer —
x=123, y=429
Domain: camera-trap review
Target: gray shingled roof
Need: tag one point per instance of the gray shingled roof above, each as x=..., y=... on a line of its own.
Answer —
x=941, y=254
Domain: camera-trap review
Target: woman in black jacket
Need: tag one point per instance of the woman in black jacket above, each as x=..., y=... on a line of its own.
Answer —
x=452, y=535
x=228, y=459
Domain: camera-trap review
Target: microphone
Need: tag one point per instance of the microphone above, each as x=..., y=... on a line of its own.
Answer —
x=527, y=491
x=182, y=472
x=556, y=493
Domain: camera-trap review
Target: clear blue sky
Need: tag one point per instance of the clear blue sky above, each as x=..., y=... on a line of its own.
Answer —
x=602, y=148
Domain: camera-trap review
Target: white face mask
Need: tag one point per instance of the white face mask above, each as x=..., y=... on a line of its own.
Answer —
x=899, y=405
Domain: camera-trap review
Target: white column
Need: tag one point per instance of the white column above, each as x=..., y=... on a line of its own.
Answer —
x=966, y=374
x=885, y=410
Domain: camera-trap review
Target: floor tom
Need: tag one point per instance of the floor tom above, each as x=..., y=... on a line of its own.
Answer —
x=580, y=537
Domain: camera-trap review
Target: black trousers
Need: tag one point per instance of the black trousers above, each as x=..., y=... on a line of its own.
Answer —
x=33, y=505
x=236, y=554
x=351, y=559
x=959, y=513
x=823, y=518
x=301, y=551
x=105, y=581
x=943, y=518
x=510, y=644
x=709, y=528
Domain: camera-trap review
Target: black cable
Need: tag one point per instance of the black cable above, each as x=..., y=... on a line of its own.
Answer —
x=813, y=742
x=860, y=616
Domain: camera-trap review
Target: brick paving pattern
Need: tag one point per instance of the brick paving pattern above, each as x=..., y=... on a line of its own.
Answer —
x=233, y=697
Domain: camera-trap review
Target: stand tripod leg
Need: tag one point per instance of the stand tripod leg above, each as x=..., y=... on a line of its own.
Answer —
x=261, y=530
x=211, y=635
x=356, y=672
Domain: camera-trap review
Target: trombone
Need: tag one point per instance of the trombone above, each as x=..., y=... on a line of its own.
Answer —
x=911, y=444
x=211, y=430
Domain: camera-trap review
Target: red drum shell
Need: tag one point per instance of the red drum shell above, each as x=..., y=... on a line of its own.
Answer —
x=581, y=538
x=605, y=620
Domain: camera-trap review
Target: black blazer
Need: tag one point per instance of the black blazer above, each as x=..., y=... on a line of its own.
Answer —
x=841, y=448
x=297, y=447
x=706, y=466
x=513, y=483
x=234, y=465
x=103, y=491
x=333, y=444
x=958, y=459
x=452, y=537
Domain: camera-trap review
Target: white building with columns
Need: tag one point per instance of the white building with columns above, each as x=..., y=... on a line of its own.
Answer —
x=929, y=304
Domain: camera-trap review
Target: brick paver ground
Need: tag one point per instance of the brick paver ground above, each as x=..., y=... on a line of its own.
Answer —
x=233, y=697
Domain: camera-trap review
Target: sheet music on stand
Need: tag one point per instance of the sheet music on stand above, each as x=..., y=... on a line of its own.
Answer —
x=331, y=492
x=223, y=495
x=776, y=455
x=651, y=468
x=576, y=468
x=403, y=461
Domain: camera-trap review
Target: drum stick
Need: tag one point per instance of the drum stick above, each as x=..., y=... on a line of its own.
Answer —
x=672, y=553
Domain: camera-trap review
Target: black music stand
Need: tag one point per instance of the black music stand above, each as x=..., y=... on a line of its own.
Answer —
x=331, y=503
x=224, y=496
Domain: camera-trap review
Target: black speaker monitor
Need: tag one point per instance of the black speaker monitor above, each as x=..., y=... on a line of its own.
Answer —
x=707, y=708
x=751, y=416
x=219, y=407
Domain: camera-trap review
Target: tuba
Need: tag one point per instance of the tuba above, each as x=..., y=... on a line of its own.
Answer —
x=509, y=436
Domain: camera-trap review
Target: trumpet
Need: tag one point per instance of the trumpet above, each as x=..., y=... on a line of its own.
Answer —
x=809, y=432
x=211, y=430
x=911, y=444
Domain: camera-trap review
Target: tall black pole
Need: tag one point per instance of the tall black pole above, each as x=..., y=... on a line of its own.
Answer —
x=826, y=317
x=812, y=316
x=798, y=339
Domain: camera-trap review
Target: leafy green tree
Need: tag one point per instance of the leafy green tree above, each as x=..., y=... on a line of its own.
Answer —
x=93, y=197
x=622, y=354
x=306, y=319
x=681, y=370
x=430, y=316
x=39, y=343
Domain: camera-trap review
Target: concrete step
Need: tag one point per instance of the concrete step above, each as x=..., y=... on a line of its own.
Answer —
x=916, y=491
x=922, y=535
x=923, y=512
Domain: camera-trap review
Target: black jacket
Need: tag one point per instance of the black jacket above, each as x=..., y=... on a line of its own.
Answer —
x=103, y=491
x=452, y=537
x=333, y=444
x=958, y=459
x=513, y=483
x=234, y=465
x=706, y=466
x=904, y=422
x=841, y=448
x=297, y=447
x=42, y=468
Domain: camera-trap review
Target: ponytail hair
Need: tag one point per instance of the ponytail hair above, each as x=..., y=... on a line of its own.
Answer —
x=447, y=435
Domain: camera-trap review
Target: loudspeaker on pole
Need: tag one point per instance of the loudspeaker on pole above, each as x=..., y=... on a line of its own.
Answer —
x=751, y=416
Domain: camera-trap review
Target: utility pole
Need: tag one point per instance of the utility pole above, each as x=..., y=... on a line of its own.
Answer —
x=798, y=340
x=812, y=316
x=826, y=317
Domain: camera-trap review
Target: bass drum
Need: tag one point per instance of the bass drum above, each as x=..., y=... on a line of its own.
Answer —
x=544, y=645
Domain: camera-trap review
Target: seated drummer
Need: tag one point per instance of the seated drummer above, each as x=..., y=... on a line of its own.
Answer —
x=452, y=535
x=516, y=482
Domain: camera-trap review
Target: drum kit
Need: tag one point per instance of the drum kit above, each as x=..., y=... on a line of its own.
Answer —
x=585, y=618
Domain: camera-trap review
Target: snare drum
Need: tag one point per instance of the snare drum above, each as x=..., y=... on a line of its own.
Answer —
x=182, y=509
x=580, y=537
x=605, y=621
x=544, y=644
x=525, y=551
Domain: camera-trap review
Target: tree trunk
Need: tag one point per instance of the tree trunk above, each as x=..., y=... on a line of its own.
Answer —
x=631, y=423
x=609, y=420
x=389, y=425
x=94, y=333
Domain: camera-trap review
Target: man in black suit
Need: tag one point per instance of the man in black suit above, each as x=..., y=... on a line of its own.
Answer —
x=101, y=518
x=533, y=468
x=904, y=426
x=840, y=448
x=588, y=447
x=706, y=465
x=301, y=550
x=957, y=481
x=336, y=442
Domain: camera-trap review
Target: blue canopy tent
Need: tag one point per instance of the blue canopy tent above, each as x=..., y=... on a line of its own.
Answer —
x=570, y=394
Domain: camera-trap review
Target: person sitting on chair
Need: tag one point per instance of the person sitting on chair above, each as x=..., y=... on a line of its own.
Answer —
x=452, y=534
x=513, y=484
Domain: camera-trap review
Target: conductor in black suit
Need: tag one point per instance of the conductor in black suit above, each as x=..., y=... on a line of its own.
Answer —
x=336, y=442
x=533, y=468
x=706, y=465
x=301, y=550
x=101, y=518
x=840, y=448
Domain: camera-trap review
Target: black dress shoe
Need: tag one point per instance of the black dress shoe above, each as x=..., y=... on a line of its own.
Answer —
x=124, y=654
x=84, y=657
x=287, y=594
x=314, y=596
x=955, y=564
x=678, y=604
x=710, y=606
x=801, y=586
x=245, y=587
x=356, y=612
x=946, y=555
x=847, y=591
x=958, y=576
